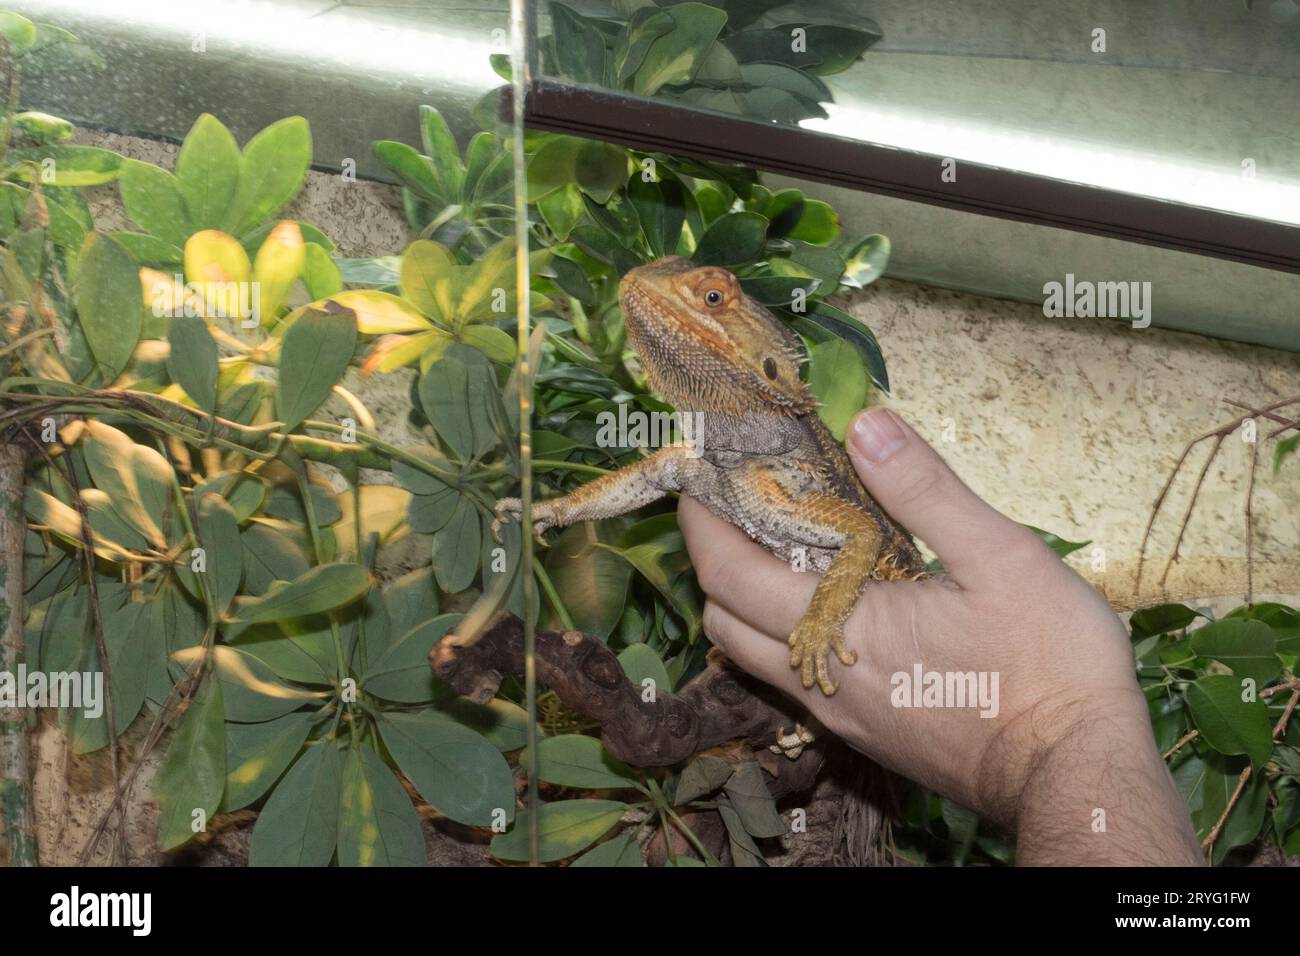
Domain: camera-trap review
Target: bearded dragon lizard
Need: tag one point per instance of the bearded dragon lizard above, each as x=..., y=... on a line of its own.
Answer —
x=760, y=458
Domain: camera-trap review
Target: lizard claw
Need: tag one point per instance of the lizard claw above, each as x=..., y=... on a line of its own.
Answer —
x=810, y=648
x=792, y=744
x=509, y=509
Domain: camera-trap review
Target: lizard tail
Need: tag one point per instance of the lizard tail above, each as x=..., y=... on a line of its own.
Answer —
x=869, y=802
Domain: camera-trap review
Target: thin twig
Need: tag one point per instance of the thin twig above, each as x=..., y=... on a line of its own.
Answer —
x=1213, y=835
x=27, y=339
x=88, y=559
x=1278, y=730
x=1250, y=523
x=1191, y=503
x=1183, y=741
x=1219, y=434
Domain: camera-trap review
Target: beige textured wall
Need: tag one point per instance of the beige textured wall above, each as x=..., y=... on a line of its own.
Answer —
x=1067, y=424
x=1073, y=425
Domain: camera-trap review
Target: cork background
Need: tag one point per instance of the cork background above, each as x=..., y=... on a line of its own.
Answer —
x=1071, y=425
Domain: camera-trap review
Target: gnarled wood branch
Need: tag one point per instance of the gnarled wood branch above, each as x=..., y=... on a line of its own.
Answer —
x=721, y=704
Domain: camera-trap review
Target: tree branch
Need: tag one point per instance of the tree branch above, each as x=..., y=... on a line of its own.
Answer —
x=719, y=705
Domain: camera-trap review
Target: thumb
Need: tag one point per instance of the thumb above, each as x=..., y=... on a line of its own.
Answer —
x=919, y=491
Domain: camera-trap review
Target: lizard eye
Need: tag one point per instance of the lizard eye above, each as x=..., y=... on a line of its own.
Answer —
x=769, y=367
x=714, y=298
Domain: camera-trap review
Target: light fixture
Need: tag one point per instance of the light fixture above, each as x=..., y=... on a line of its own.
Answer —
x=319, y=34
x=1243, y=191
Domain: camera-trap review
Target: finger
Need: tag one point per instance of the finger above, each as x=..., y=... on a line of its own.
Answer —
x=739, y=574
x=976, y=543
x=750, y=649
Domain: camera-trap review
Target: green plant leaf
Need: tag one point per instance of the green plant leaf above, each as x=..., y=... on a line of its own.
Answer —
x=564, y=828
x=592, y=581
x=1161, y=619
x=270, y=556
x=249, y=688
x=661, y=209
x=645, y=26
x=429, y=514
x=411, y=600
x=222, y=552
x=70, y=218
x=504, y=725
x=243, y=491
x=620, y=851
x=256, y=755
x=207, y=171
x=272, y=169
x=1285, y=448
x=675, y=56
x=402, y=672
x=599, y=169
x=152, y=198
x=1227, y=723
x=575, y=760
x=562, y=209
x=551, y=167
x=1060, y=547
x=866, y=262
x=837, y=47
x=136, y=478
x=381, y=312
x=1243, y=824
x=299, y=824
x=429, y=279
x=193, y=772
x=701, y=777
x=17, y=29
x=579, y=48
x=1284, y=621
x=1247, y=646
x=65, y=165
x=732, y=240
x=455, y=392
x=822, y=318
x=744, y=851
x=320, y=274
x=455, y=769
x=65, y=521
x=440, y=146
x=192, y=360
x=838, y=378
x=640, y=664
x=753, y=801
x=129, y=656
x=378, y=826
x=110, y=301
x=794, y=216
x=323, y=588
x=148, y=250
x=415, y=172
x=456, y=547
x=313, y=357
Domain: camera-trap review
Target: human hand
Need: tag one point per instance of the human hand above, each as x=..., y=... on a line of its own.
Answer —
x=1066, y=732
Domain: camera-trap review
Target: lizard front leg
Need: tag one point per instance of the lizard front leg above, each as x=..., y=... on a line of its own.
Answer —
x=823, y=520
x=625, y=490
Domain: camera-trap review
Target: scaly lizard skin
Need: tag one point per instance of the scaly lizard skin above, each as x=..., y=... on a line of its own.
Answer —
x=760, y=456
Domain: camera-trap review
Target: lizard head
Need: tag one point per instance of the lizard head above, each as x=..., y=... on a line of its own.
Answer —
x=706, y=346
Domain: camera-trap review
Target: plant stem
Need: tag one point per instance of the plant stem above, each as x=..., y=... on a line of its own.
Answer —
x=17, y=820
x=548, y=588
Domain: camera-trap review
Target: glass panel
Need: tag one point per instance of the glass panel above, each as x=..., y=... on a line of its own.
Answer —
x=358, y=71
x=1172, y=100
x=287, y=393
x=1176, y=103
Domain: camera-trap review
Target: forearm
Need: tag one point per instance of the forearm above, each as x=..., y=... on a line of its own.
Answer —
x=1101, y=796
